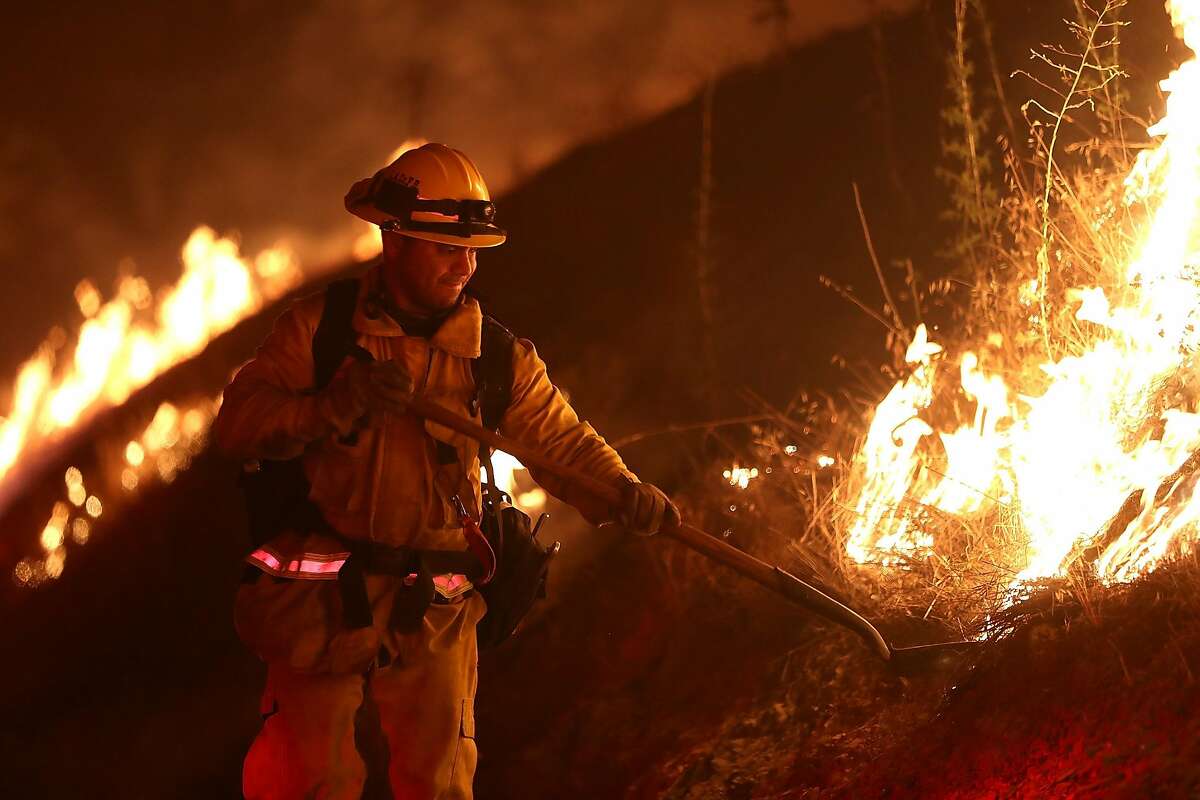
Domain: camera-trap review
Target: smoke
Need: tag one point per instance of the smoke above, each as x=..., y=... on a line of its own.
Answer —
x=131, y=123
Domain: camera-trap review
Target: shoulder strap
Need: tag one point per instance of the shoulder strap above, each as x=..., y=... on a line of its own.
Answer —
x=334, y=337
x=493, y=372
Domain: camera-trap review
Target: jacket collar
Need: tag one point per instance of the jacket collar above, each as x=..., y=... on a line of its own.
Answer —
x=459, y=335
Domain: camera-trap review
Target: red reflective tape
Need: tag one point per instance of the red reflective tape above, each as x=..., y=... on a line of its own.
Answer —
x=317, y=566
x=451, y=585
x=309, y=565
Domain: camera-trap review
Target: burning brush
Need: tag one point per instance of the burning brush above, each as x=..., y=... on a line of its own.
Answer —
x=1057, y=433
x=124, y=344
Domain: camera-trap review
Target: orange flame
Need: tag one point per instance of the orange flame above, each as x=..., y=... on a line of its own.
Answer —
x=124, y=344
x=1065, y=460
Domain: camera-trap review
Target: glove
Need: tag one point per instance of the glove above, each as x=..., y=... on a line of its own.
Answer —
x=645, y=509
x=366, y=388
x=380, y=387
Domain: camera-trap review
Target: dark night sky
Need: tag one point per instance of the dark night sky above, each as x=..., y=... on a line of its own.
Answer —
x=129, y=123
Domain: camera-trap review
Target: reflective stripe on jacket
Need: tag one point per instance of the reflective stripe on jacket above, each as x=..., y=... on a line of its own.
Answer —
x=379, y=479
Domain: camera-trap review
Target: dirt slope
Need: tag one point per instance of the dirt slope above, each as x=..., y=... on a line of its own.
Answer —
x=1078, y=704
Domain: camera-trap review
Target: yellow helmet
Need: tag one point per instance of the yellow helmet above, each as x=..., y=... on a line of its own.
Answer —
x=431, y=192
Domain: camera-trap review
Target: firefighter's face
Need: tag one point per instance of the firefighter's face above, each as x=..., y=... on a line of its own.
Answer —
x=425, y=276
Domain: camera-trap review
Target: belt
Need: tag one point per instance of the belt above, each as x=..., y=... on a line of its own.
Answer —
x=382, y=559
x=456, y=570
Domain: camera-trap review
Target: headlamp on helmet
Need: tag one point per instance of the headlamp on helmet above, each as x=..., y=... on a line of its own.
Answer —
x=400, y=201
x=432, y=192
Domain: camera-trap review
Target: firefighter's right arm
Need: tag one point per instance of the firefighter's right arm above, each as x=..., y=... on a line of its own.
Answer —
x=268, y=410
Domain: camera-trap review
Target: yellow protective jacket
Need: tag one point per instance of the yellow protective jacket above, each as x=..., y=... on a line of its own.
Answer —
x=387, y=486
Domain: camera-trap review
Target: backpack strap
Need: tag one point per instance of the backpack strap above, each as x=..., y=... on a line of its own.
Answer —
x=493, y=372
x=276, y=491
x=334, y=337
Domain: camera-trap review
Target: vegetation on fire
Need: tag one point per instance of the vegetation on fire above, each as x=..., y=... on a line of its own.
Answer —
x=1009, y=311
x=1084, y=685
x=658, y=674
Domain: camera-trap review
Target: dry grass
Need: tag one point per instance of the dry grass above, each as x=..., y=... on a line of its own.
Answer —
x=1073, y=229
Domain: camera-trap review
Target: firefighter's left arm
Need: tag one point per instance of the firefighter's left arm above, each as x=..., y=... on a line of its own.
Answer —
x=540, y=417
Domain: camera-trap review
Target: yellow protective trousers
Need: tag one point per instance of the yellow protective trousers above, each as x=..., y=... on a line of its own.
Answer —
x=424, y=693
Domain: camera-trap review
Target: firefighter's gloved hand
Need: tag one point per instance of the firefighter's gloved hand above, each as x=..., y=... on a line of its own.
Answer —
x=366, y=389
x=645, y=509
x=380, y=386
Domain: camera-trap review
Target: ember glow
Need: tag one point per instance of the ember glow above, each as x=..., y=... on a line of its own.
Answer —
x=122, y=345
x=740, y=476
x=163, y=449
x=129, y=340
x=1054, y=448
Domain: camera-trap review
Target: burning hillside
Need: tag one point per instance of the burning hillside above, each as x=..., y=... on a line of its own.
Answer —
x=125, y=343
x=1063, y=437
x=1041, y=434
x=1030, y=478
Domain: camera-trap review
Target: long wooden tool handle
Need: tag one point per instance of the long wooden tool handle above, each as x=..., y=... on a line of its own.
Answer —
x=773, y=578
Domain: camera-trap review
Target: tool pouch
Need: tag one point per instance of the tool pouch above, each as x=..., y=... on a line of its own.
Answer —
x=523, y=565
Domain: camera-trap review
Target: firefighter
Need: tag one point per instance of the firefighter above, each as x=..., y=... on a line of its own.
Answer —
x=384, y=479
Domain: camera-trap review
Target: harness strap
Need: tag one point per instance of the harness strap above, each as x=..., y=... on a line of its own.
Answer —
x=493, y=374
x=412, y=598
x=276, y=491
x=334, y=338
x=352, y=587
